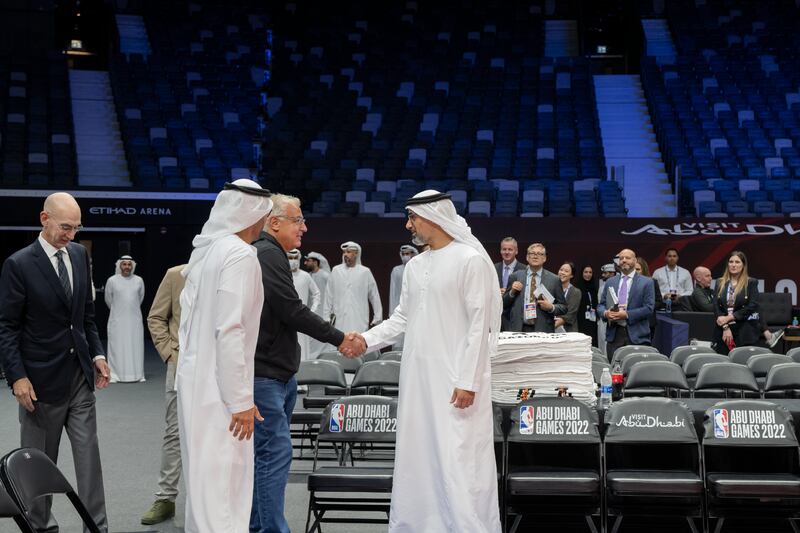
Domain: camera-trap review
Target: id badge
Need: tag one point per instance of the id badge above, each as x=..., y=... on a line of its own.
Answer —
x=591, y=315
x=530, y=311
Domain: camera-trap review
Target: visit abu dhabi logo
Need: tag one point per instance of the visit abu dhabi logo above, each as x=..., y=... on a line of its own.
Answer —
x=721, y=229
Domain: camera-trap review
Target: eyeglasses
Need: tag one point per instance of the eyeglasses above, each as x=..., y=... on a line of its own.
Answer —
x=537, y=254
x=294, y=220
x=66, y=228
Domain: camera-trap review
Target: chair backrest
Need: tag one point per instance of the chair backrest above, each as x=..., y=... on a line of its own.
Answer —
x=391, y=356
x=681, y=353
x=760, y=364
x=321, y=372
x=794, y=354
x=726, y=376
x=783, y=376
x=693, y=363
x=656, y=420
x=597, y=369
x=748, y=423
x=633, y=358
x=9, y=509
x=350, y=366
x=775, y=308
x=377, y=373
x=553, y=420
x=665, y=374
x=359, y=419
x=741, y=354
x=29, y=474
x=622, y=351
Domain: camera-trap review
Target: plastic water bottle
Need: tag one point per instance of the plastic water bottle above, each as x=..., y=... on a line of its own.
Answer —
x=668, y=308
x=605, y=389
x=795, y=322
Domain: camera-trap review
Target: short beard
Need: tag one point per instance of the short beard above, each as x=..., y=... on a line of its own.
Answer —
x=416, y=240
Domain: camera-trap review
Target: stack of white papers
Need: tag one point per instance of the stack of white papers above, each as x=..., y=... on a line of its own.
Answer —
x=543, y=362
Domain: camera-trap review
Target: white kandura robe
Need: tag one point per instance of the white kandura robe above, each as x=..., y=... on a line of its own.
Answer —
x=320, y=278
x=395, y=286
x=445, y=478
x=348, y=295
x=221, y=311
x=125, y=351
x=308, y=292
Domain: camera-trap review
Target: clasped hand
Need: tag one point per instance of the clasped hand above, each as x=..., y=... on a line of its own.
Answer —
x=353, y=345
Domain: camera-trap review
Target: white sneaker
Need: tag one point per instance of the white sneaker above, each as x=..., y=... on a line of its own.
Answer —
x=776, y=336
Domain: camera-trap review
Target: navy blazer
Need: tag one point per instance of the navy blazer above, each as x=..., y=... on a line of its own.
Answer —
x=39, y=331
x=641, y=302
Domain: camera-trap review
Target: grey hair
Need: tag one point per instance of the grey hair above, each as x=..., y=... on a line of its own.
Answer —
x=512, y=240
x=280, y=202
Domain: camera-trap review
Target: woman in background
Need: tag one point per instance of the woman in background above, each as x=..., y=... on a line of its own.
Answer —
x=569, y=320
x=587, y=317
x=736, y=306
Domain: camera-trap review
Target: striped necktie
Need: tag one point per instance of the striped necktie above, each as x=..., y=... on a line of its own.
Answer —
x=63, y=277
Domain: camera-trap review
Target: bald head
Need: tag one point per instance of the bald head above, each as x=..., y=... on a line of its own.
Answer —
x=627, y=261
x=60, y=219
x=702, y=276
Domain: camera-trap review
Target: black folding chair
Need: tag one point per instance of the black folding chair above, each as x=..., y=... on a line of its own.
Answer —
x=784, y=377
x=693, y=364
x=391, y=356
x=726, y=376
x=377, y=375
x=631, y=359
x=9, y=509
x=316, y=374
x=553, y=461
x=760, y=365
x=349, y=365
x=351, y=490
x=741, y=354
x=794, y=353
x=28, y=474
x=652, y=461
x=751, y=462
x=597, y=370
x=651, y=378
x=623, y=351
x=680, y=353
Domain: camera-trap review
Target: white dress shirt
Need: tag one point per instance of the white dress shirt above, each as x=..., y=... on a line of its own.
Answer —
x=677, y=279
x=51, y=251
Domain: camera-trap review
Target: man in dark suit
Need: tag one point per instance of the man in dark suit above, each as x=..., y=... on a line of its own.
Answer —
x=626, y=304
x=52, y=353
x=529, y=309
x=506, y=267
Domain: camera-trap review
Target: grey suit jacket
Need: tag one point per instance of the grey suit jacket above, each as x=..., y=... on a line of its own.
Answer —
x=573, y=299
x=515, y=302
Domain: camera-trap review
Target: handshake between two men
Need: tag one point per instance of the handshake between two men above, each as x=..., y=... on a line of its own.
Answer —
x=353, y=345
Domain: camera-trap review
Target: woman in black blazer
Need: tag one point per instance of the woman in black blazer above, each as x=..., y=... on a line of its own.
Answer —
x=587, y=319
x=572, y=295
x=736, y=306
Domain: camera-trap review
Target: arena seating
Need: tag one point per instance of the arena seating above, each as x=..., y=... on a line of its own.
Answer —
x=726, y=112
x=412, y=99
x=36, y=140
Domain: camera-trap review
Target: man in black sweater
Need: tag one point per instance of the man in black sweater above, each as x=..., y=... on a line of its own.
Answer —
x=277, y=360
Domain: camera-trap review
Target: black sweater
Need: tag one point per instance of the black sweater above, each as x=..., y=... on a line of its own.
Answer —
x=283, y=315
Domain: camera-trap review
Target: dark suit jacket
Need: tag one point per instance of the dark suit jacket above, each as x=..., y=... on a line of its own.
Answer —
x=641, y=301
x=747, y=327
x=499, y=268
x=515, y=302
x=573, y=300
x=39, y=332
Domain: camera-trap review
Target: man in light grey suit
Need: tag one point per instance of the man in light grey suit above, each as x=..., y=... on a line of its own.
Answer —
x=508, y=265
x=529, y=310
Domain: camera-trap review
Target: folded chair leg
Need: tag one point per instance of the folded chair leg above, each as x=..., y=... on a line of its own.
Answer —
x=617, y=523
x=515, y=525
x=793, y=523
x=590, y=523
x=718, y=527
x=692, y=526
